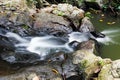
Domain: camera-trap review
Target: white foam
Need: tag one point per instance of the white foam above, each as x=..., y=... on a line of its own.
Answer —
x=79, y=37
x=110, y=36
x=38, y=43
x=15, y=36
x=110, y=31
x=104, y=40
x=44, y=45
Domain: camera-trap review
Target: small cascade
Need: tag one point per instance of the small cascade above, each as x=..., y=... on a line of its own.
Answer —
x=42, y=45
x=110, y=37
x=45, y=45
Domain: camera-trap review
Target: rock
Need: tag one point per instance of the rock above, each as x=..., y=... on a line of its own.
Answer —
x=33, y=76
x=88, y=61
x=110, y=71
x=68, y=10
x=21, y=5
x=17, y=22
x=45, y=71
x=37, y=72
x=6, y=44
x=73, y=13
x=51, y=24
x=87, y=45
x=105, y=73
x=96, y=4
x=57, y=78
x=116, y=69
x=86, y=25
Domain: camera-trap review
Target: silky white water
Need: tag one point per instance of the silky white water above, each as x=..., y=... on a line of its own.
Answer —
x=111, y=35
x=44, y=45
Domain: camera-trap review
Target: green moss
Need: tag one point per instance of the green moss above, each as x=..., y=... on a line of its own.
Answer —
x=88, y=14
x=84, y=63
x=101, y=63
x=60, y=13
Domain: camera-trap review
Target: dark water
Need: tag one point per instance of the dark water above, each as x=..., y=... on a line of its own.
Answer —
x=107, y=23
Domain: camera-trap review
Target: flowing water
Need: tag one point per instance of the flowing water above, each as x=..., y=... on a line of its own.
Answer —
x=111, y=28
x=45, y=45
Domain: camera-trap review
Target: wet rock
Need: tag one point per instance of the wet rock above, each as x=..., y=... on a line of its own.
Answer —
x=5, y=68
x=57, y=67
x=6, y=44
x=17, y=57
x=19, y=23
x=38, y=72
x=67, y=68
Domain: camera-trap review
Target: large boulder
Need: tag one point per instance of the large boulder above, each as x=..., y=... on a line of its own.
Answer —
x=55, y=68
x=72, y=13
x=51, y=24
x=86, y=25
x=88, y=61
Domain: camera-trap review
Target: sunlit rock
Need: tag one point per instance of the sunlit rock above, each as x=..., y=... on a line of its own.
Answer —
x=19, y=4
x=91, y=63
x=110, y=71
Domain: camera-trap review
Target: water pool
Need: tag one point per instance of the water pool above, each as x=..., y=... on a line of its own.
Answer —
x=112, y=26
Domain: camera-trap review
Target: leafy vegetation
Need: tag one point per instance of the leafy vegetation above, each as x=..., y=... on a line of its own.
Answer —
x=112, y=6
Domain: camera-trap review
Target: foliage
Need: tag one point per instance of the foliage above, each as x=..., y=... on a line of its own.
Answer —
x=88, y=14
x=112, y=5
